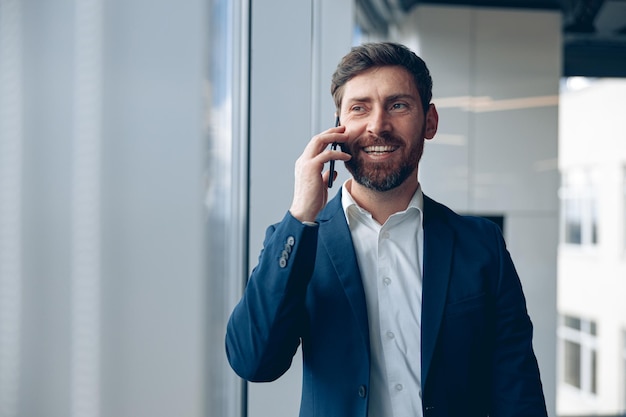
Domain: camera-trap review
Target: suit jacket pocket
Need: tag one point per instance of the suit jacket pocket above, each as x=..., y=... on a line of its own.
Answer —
x=466, y=306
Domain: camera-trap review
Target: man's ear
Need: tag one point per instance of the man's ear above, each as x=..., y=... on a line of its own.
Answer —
x=432, y=121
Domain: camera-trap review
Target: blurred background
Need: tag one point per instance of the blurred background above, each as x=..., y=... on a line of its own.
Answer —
x=146, y=145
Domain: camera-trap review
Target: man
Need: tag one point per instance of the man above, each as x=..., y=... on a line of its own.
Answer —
x=402, y=307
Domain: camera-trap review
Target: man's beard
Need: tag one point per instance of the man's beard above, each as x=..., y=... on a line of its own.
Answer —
x=386, y=175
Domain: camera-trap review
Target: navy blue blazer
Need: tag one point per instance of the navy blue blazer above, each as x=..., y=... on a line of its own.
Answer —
x=477, y=355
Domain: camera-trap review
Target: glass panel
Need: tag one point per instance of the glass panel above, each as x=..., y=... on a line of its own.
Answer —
x=573, y=232
x=594, y=220
x=572, y=322
x=594, y=381
x=572, y=208
x=572, y=363
x=624, y=371
x=623, y=379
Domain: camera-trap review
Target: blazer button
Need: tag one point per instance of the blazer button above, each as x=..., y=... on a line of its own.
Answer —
x=362, y=391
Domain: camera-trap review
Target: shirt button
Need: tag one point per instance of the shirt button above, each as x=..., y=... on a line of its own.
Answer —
x=387, y=281
x=390, y=335
x=362, y=391
x=399, y=387
x=385, y=235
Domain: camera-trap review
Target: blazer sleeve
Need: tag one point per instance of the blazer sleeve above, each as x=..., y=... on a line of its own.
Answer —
x=266, y=326
x=516, y=387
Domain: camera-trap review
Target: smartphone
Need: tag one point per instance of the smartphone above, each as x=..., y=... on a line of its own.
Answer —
x=331, y=177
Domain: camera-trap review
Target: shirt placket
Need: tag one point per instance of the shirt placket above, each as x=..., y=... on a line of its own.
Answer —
x=387, y=312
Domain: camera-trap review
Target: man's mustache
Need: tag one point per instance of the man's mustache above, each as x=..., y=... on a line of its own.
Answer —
x=370, y=140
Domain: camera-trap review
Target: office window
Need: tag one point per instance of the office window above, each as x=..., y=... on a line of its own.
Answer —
x=579, y=352
x=593, y=220
x=572, y=363
x=579, y=205
x=572, y=215
x=624, y=207
x=623, y=371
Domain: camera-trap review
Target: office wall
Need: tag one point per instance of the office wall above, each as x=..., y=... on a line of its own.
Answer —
x=496, y=84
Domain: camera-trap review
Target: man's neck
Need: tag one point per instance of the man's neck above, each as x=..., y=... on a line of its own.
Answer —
x=382, y=204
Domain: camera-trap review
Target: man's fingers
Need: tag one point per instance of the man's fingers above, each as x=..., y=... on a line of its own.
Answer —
x=325, y=176
x=321, y=141
x=332, y=155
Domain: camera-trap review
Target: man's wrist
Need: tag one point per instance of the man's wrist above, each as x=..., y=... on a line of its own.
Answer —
x=303, y=218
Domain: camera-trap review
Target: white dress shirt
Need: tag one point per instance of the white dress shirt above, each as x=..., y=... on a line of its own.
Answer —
x=390, y=258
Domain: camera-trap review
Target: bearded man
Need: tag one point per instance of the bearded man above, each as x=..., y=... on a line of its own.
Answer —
x=402, y=307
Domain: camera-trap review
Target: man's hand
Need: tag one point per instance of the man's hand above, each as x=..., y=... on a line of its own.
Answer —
x=311, y=184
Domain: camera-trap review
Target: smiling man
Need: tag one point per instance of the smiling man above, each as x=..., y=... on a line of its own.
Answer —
x=402, y=307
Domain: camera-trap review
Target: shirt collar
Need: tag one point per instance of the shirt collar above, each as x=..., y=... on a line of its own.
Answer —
x=350, y=206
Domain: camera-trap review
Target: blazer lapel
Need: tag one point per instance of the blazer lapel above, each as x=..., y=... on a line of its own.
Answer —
x=438, y=246
x=335, y=235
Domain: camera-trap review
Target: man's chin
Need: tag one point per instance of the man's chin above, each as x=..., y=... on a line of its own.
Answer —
x=378, y=183
x=380, y=178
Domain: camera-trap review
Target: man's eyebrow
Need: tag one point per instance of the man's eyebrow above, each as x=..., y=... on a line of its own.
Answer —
x=359, y=99
x=401, y=96
x=393, y=97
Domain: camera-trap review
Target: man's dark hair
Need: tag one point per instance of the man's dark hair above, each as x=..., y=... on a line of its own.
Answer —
x=383, y=54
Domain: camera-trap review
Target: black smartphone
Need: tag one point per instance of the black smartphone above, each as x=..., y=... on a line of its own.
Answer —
x=331, y=177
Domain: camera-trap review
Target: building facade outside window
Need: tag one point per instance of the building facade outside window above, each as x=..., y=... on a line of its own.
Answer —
x=592, y=251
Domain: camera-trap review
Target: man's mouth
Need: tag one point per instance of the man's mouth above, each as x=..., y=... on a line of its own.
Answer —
x=379, y=149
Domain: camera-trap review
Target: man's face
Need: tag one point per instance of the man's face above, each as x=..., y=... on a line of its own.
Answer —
x=383, y=115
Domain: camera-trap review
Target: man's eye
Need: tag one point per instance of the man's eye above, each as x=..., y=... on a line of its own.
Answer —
x=357, y=108
x=398, y=106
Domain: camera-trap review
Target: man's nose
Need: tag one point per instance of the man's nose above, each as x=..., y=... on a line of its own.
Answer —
x=378, y=122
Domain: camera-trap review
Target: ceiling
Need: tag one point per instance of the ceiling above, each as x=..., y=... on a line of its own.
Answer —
x=594, y=31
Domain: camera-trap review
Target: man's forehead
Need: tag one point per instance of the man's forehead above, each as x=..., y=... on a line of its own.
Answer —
x=388, y=81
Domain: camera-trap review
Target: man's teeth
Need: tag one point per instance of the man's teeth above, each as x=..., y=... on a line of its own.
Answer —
x=378, y=149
